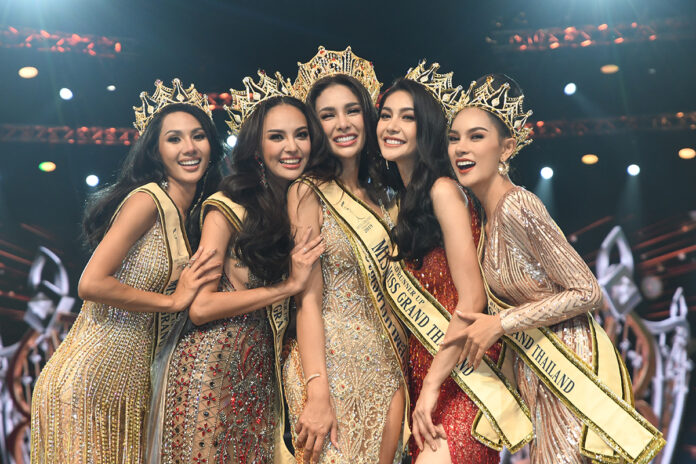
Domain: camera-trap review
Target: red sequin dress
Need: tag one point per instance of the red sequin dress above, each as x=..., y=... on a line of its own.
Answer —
x=454, y=410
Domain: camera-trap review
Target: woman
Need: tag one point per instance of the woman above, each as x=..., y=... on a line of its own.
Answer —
x=435, y=233
x=221, y=403
x=90, y=401
x=343, y=376
x=541, y=293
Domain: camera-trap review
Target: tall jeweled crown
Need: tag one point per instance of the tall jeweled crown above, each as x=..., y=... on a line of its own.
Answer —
x=439, y=85
x=165, y=96
x=329, y=62
x=244, y=101
x=497, y=102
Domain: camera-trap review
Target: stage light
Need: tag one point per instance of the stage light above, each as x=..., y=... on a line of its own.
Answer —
x=633, y=169
x=92, y=180
x=232, y=140
x=546, y=172
x=687, y=153
x=65, y=93
x=111, y=87
x=609, y=69
x=570, y=88
x=47, y=166
x=28, y=72
x=589, y=159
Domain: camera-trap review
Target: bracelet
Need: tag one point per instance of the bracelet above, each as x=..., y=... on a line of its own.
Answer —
x=311, y=377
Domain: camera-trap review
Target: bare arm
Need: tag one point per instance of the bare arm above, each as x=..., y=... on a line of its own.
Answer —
x=98, y=283
x=452, y=212
x=211, y=305
x=317, y=418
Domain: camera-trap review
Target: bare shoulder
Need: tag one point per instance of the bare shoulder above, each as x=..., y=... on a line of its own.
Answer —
x=446, y=190
x=140, y=206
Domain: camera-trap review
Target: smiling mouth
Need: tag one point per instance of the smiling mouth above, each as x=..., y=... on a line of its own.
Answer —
x=393, y=142
x=190, y=162
x=465, y=165
x=291, y=163
x=345, y=140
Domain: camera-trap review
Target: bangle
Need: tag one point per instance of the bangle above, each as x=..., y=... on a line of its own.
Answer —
x=311, y=377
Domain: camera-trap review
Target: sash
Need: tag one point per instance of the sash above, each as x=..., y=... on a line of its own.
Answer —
x=278, y=315
x=167, y=326
x=506, y=418
x=599, y=395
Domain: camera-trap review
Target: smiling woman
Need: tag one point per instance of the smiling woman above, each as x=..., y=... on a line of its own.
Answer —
x=91, y=399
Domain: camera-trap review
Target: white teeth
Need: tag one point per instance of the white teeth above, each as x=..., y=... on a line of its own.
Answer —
x=345, y=138
x=194, y=162
x=293, y=162
x=465, y=164
x=393, y=142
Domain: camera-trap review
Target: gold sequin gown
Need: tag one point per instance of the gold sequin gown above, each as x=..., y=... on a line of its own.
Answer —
x=221, y=391
x=90, y=401
x=364, y=372
x=530, y=265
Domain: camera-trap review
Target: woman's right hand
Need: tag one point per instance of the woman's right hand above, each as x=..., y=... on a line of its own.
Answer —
x=302, y=259
x=199, y=271
x=317, y=420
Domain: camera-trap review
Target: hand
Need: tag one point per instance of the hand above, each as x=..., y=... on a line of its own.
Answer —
x=302, y=259
x=423, y=427
x=199, y=271
x=482, y=333
x=317, y=420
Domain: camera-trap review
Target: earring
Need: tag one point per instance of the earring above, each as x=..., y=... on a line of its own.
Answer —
x=164, y=184
x=262, y=168
x=202, y=192
x=503, y=168
x=386, y=163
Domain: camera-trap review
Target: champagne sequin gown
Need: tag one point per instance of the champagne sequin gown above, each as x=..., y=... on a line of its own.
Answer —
x=363, y=370
x=221, y=391
x=454, y=410
x=530, y=265
x=90, y=401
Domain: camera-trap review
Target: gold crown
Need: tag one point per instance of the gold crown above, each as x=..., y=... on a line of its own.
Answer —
x=439, y=85
x=328, y=63
x=497, y=102
x=165, y=96
x=244, y=101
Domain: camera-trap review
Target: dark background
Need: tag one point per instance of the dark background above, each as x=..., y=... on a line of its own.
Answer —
x=214, y=43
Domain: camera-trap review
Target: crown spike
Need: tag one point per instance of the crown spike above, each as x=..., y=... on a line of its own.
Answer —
x=439, y=85
x=164, y=96
x=329, y=63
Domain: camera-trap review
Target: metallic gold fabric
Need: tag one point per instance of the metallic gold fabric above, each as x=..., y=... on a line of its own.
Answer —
x=364, y=373
x=91, y=398
x=530, y=265
x=221, y=391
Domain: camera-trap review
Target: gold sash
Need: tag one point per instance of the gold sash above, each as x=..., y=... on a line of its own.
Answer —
x=506, y=418
x=599, y=395
x=178, y=254
x=278, y=315
x=167, y=326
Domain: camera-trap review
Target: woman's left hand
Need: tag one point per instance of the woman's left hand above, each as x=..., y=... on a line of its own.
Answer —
x=482, y=333
x=424, y=430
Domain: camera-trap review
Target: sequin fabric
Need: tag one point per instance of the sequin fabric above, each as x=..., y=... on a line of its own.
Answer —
x=364, y=372
x=530, y=265
x=221, y=391
x=90, y=401
x=454, y=410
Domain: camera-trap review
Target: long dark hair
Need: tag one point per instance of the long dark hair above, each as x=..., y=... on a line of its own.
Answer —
x=417, y=230
x=371, y=170
x=264, y=242
x=143, y=165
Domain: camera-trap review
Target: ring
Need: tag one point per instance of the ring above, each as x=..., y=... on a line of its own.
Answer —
x=304, y=250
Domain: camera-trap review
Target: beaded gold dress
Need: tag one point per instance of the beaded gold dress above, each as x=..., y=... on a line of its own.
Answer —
x=221, y=391
x=530, y=265
x=364, y=373
x=90, y=401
